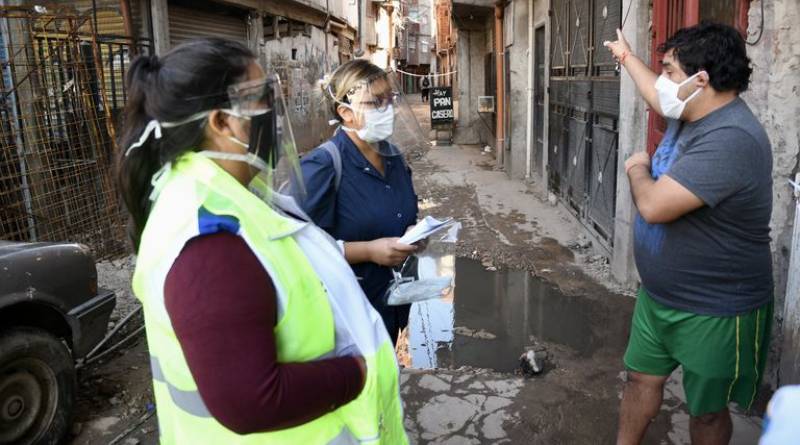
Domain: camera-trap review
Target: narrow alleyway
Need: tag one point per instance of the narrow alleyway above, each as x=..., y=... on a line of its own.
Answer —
x=524, y=279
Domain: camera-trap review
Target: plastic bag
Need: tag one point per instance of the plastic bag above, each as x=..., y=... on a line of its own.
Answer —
x=429, y=274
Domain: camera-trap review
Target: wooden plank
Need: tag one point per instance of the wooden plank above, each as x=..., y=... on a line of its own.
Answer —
x=296, y=11
x=160, y=22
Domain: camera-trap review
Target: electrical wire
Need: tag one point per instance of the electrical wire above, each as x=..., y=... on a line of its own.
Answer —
x=425, y=75
x=760, y=27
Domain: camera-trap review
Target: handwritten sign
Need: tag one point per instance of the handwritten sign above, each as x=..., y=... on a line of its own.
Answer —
x=441, y=99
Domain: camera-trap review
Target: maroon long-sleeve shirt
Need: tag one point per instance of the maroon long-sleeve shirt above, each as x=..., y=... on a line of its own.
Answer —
x=223, y=308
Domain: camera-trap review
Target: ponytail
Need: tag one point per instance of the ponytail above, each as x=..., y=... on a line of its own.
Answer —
x=191, y=78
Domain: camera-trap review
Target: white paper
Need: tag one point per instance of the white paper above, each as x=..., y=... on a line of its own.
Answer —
x=424, y=229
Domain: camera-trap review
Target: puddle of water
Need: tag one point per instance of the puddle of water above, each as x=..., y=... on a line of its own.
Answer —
x=491, y=316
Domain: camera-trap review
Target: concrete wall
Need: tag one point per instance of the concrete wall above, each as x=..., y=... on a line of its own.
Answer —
x=775, y=99
x=301, y=76
x=632, y=137
x=472, y=128
x=517, y=100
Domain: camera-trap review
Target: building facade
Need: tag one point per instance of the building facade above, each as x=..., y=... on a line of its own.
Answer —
x=299, y=40
x=559, y=113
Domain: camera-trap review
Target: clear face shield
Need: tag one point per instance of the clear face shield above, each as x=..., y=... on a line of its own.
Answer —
x=270, y=145
x=377, y=111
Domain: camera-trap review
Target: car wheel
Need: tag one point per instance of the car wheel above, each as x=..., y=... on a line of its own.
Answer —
x=37, y=387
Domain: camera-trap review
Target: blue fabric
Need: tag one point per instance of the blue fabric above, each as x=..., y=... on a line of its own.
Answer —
x=367, y=205
x=212, y=223
x=650, y=237
x=781, y=426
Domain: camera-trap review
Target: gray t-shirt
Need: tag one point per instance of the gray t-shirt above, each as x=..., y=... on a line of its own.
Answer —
x=715, y=260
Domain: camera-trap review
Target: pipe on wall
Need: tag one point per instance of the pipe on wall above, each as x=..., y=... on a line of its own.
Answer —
x=499, y=47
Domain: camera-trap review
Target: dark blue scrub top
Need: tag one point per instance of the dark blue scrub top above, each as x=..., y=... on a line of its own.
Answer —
x=367, y=205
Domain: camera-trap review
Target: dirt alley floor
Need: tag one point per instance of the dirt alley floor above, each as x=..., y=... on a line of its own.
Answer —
x=507, y=225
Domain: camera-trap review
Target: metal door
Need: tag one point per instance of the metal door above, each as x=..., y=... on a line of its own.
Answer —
x=538, y=100
x=584, y=108
x=187, y=23
x=668, y=17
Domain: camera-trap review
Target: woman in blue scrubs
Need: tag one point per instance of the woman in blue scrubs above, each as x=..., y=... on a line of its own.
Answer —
x=374, y=202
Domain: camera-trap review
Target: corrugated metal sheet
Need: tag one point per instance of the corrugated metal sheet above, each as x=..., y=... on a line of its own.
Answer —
x=187, y=23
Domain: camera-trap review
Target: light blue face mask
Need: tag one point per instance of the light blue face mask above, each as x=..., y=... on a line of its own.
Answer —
x=378, y=125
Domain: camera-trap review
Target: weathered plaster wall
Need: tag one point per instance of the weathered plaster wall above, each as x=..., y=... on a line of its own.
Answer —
x=471, y=50
x=517, y=101
x=774, y=96
x=300, y=76
x=632, y=137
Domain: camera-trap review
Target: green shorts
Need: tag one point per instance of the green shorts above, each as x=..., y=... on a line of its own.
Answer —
x=722, y=357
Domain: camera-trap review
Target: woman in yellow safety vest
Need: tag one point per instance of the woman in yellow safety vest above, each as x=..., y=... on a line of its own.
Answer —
x=257, y=328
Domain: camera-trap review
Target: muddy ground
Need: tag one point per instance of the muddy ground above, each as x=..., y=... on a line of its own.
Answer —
x=525, y=279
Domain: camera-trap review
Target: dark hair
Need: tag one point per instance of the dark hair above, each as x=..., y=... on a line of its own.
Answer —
x=191, y=78
x=716, y=48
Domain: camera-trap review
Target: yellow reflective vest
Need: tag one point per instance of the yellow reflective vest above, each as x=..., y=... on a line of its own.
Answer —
x=320, y=313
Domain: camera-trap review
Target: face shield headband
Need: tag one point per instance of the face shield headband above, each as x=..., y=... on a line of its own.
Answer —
x=270, y=147
x=252, y=102
x=374, y=104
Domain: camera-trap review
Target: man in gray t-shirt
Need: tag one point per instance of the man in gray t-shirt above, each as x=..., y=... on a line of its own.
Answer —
x=701, y=236
x=715, y=260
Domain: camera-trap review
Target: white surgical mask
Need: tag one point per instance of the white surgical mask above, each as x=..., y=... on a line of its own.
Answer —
x=378, y=125
x=671, y=105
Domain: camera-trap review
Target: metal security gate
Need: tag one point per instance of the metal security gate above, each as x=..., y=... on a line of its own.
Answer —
x=204, y=19
x=584, y=109
x=60, y=89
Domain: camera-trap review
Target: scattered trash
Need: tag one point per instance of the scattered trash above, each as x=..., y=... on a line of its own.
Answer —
x=480, y=334
x=531, y=364
x=552, y=199
x=128, y=431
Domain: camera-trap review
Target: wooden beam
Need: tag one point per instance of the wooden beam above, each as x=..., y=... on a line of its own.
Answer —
x=160, y=18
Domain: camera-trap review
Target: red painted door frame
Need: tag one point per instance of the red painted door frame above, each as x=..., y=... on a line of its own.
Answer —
x=668, y=17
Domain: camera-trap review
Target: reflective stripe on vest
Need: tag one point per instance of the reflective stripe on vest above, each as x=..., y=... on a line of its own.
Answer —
x=189, y=401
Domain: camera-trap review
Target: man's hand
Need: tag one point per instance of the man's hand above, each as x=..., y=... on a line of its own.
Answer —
x=638, y=158
x=388, y=252
x=619, y=48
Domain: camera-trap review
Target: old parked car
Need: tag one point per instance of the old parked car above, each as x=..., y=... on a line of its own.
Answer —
x=51, y=314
